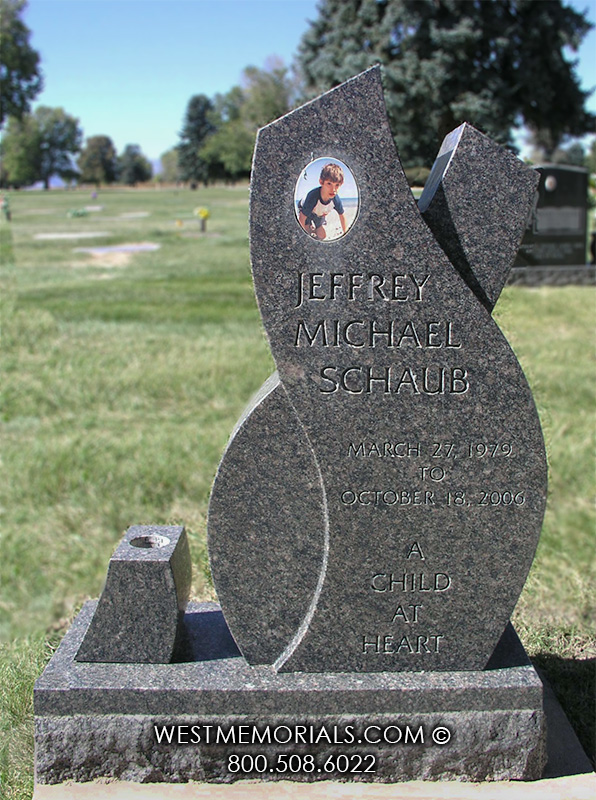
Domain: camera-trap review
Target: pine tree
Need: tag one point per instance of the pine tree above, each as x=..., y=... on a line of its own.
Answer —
x=493, y=63
x=196, y=128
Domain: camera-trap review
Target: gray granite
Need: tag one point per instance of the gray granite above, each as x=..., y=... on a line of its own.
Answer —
x=282, y=579
x=424, y=500
x=477, y=201
x=487, y=747
x=96, y=720
x=213, y=678
x=139, y=614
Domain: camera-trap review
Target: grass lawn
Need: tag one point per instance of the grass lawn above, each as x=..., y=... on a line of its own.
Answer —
x=122, y=378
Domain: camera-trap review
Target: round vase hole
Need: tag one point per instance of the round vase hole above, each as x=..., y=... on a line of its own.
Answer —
x=153, y=540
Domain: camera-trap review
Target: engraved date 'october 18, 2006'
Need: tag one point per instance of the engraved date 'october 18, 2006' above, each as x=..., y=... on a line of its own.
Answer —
x=433, y=498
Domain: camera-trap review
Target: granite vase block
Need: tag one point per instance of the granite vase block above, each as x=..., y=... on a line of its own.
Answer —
x=140, y=611
x=424, y=500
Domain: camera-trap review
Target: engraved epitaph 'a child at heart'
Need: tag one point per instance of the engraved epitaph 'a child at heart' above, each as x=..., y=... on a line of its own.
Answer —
x=380, y=501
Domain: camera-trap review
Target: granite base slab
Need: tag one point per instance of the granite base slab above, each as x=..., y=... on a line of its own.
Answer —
x=211, y=717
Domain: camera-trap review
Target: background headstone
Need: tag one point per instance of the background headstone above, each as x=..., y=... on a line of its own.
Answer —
x=557, y=231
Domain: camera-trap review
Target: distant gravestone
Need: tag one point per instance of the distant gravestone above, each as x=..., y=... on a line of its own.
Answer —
x=380, y=504
x=557, y=231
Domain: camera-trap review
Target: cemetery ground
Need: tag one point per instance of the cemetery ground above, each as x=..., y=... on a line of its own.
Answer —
x=123, y=375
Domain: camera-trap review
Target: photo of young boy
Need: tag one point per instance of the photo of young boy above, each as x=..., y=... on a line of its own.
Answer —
x=321, y=212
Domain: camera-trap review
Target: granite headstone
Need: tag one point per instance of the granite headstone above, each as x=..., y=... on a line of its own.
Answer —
x=411, y=534
x=375, y=513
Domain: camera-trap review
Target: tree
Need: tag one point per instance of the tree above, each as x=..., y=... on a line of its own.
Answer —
x=574, y=155
x=267, y=92
x=21, y=152
x=61, y=139
x=220, y=133
x=133, y=166
x=196, y=127
x=170, y=172
x=20, y=77
x=494, y=64
x=41, y=145
x=98, y=162
x=228, y=151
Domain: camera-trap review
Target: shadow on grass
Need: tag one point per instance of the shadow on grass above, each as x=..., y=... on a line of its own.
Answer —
x=574, y=684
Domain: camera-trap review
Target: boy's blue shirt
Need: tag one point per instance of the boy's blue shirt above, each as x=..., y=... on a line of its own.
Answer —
x=314, y=208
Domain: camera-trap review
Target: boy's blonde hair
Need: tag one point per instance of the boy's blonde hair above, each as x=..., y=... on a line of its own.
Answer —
x=332, y=172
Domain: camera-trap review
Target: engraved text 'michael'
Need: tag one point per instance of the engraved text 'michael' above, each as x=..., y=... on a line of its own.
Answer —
x=372, y=333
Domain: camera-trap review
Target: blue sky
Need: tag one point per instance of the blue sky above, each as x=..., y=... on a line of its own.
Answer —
x=127, y=68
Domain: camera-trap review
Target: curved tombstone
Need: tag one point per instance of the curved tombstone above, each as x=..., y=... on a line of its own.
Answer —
x=379, y=507
x=266, y=553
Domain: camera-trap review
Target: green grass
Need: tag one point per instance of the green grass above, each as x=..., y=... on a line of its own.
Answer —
x=552, y=331
x=121, y=383
x=21, y=662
